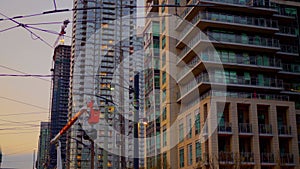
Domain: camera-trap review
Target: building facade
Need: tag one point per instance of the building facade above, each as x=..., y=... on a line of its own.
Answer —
x=43, y=146
x=103, y=41
x=234, y=95
x=60, y=96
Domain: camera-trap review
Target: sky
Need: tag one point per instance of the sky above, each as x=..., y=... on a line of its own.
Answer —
x=21, y=51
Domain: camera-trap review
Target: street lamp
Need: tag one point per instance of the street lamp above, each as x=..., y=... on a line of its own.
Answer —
x=135, y=91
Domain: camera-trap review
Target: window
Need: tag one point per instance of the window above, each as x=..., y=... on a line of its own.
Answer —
x=198, y=151
x=197, y=121
x=163, y=24
x=164, y=94
x=163, y=59
x=190, y=154
x=163, y=42
x=165, y=162
x=189, y=126
x=164, y=136
x=164, y=76
x=155, y=28
x=156, y=81
x=162, y=6
x=181, y=132
x=164, y=113
x=158, y=138
x=181, y=157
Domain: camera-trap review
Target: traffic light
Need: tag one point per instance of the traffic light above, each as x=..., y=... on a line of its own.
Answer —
x=111, y=109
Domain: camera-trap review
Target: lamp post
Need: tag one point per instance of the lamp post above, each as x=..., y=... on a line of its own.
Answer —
x=135, y=91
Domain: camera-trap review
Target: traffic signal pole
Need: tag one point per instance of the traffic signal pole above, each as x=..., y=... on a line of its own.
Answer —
x=105, y=161
x=136, y=120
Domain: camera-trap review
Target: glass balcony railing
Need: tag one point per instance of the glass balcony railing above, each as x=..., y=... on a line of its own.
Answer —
x=225, y=127
x=238, y=80
x=231, y=38
x=200, y=36
x=229, y=2
x=247, y=157
x=235, y=59
x=244, y=20
x=287, y=30
x=265, y=129
x=149, y=6
x=249, y=95
x=286, y=158
x=267, y=158
x=245, y=128
x=285, y=11
x=226, y=157
x=188, y=9
x=294, y=68
x=244, y=39
x=284, y=130
x=292, y=49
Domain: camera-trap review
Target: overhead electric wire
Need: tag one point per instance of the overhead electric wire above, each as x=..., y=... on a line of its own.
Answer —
x=19, y=132
x=6, y=67
x=19, y=128
x=21, y=102
x=32, y=33
x=92, y=8
x=3, y=30
x=54, y=3
x=20, y=151
x=25, y=113
x=21, y=122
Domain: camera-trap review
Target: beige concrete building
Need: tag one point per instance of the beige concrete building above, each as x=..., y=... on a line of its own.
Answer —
x=229, y=85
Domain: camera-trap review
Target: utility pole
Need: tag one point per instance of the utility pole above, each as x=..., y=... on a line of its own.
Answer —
x=92, y=153
x=33, y=159
x=105, y=162
x=136, y=121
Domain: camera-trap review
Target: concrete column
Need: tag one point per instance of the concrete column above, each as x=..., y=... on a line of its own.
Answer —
x=255, y=139
x=233, y=117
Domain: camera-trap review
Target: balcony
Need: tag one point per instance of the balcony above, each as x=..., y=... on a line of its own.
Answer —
x=247, y=95
x=286, y=159
x=188, y=10
x=246, y=157
x=245, y=128
x=237, y=81
x=225, y=128
x=244, y=5
x=284, y=131
x=286, y=14
x=291, y=50
x=290, y=68
x=249, y=42
x=265, y=130
x=236, y=22
x=287, y=31
x=150, y=8
x=236, y=61
x=267, y=158
x=226, y=157
x=233, y=41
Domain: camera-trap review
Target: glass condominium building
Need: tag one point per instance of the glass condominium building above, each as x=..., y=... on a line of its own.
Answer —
x=104, y=32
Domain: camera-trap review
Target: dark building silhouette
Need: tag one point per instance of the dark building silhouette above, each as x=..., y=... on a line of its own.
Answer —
x=60, y=95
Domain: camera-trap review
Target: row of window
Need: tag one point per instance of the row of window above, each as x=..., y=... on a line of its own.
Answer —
x=190, y=154
x=189, y=125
